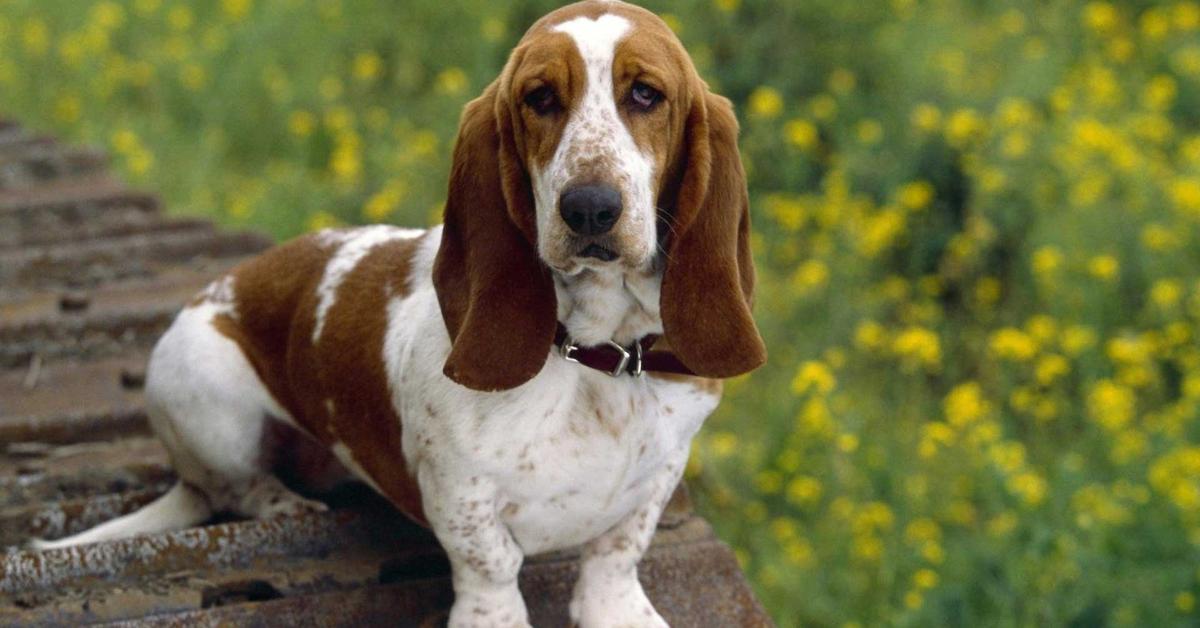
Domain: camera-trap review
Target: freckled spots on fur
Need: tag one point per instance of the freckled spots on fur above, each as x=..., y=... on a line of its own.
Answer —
x=430, y=410
x=668, y=409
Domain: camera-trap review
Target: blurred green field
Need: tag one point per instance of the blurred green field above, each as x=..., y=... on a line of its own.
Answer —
x=977, y=229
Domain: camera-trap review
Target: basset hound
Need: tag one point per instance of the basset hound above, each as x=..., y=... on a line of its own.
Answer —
x=527, y=376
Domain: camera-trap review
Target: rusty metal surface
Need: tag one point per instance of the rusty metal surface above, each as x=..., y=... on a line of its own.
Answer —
x=90, y=274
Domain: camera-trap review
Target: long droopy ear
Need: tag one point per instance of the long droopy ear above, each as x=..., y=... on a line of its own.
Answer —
x=708, y=284
x=496, y=296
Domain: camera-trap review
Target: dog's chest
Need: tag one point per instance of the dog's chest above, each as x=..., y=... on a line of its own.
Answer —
x=570, y=463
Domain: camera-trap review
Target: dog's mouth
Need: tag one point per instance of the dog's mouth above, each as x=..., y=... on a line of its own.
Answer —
x=598, y=252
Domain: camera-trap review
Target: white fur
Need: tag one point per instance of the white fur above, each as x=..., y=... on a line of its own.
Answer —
x=353, y=245
x=571, y=457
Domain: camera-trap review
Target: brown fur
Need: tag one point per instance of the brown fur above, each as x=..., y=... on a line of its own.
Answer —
x=497, y=297
x=345, y=370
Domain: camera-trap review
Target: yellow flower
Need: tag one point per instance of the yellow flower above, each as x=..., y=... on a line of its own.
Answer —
x=236, y=9
x=1110, y=404
x=35, y=36
x=847, y=443
x=813, y=375
x=809, y=276
x=933, y=552
x=1157, y=237
x=321, y=220
x=1185, y=194
x=452, y=81
x=1159, y=93
x=842, y=81
x=823, y=107
x=801, y=133
x=301, y=123
x=1029, y=486
x=1050, y=368
x=330, y=88
x=68, y=108
x=1046, y=260
x=346, y=160
x=925, y=579
x=1186, y=16
x=1185, y=602
x=723, y=444
x=1154, y=24
x=1104, y=267
x=915, y=195
x=146, y=7
x=765, y=102
x=367, y=66
x=803, y=490
x=1012, y=22
x=180, y=18
x=728, y=6
x=1013, y=344
x=1187, y=60
x=1077, y=338
x=922, y=530
x=1100, y=16
x=768, y=482
x=965, y=404
x=881, y=231
x=1165, y=293
x=926, y=118
x=963, y=127
x=913, y=600
x=870, y=335
x=385, y=202
x=869, y=131
x=918, y=347
x=493, y=28
x=1176, y=475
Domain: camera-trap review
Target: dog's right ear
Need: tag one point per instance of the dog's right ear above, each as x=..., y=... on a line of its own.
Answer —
x=496, y=296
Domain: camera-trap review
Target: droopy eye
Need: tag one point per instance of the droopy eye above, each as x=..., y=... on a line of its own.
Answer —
x=644, y=96
x=543, y=100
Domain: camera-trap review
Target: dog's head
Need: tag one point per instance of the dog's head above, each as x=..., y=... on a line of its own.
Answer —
x=598, y=145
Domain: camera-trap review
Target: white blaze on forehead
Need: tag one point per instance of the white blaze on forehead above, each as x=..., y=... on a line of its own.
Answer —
x=597, y=40
x=353, y=246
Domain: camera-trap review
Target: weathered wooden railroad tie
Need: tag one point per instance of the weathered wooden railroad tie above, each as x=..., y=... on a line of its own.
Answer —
x=90, y=274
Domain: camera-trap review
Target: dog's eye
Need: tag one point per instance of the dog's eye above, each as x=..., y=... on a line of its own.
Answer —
x=644, y=96
x=543, y=100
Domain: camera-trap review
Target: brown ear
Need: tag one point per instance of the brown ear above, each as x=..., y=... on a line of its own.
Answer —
x=708, y=284
x=496, y=296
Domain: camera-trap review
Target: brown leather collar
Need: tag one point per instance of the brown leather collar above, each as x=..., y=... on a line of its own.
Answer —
x=615, y=360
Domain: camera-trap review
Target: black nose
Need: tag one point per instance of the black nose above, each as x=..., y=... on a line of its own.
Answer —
x=590, y=209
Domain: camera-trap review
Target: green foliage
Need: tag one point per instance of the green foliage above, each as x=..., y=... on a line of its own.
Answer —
x=977, y=229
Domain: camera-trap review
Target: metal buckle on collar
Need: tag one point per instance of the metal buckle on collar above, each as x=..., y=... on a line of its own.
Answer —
x=569, y=348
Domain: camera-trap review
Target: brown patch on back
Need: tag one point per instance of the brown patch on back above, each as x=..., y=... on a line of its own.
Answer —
x=276, y=304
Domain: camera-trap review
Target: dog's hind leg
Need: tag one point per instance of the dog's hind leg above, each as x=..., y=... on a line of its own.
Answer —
x=180, y=507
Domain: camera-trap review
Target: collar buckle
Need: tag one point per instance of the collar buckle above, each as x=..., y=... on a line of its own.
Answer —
x=569, y=349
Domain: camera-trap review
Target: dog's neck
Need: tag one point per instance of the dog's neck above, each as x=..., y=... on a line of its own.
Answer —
x=610, y=303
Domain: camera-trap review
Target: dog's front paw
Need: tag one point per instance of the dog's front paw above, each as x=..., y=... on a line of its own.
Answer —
x=615, y=605
x=493, y=610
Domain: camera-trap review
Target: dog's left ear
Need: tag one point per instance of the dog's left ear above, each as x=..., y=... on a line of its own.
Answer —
x=496, y=296
x=708, y=285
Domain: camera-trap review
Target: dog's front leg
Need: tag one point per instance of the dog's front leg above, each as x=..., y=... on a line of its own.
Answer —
x=484, y=558
x=608, y=593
